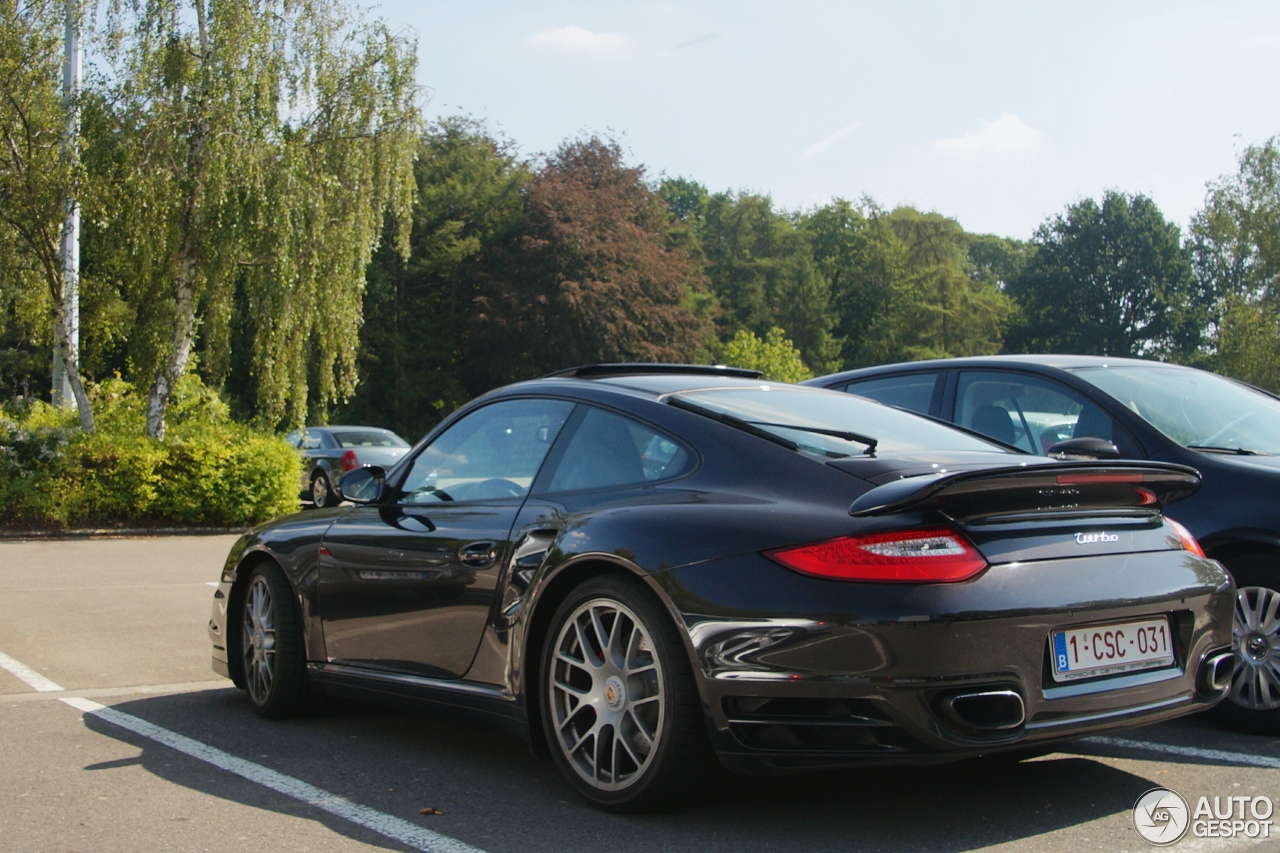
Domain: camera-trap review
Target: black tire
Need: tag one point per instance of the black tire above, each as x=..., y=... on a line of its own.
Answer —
x=1247, y=707
x=679, y=762
x=272, y=652
x=322, y=493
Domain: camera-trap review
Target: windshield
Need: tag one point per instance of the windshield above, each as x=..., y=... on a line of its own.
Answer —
x=1193, y=407
x=771, y=408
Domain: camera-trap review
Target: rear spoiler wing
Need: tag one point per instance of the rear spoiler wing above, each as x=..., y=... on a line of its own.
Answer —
x=1035, y=490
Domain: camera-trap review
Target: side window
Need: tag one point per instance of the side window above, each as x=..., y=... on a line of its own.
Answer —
x=1029, y=412
x=311, y=440
x=492, y=453
x=294, y=438
x=911, y=391
x=611, y=450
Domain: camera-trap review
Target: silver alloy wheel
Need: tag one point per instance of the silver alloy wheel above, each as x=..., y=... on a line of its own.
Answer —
x=259, y=643
x=607, y=694
x=320, y=491
x=1255, y=684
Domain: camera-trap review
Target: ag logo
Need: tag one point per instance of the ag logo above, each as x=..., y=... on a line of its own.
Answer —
x=1161, y=816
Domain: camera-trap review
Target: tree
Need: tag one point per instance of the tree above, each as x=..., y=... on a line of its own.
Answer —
x=686, y=202
x=686, y=199
x=775, y=356
x=903, y=285
x=591, y=275
x=944, y=310
x=863, y=259
x=37, y=170
x=1108, y=279
x=25, y=329
x=257, y=147
x=996, y=260
x=1235, y=246
x=764, y=275
x=1248, y=345
x=414, y=343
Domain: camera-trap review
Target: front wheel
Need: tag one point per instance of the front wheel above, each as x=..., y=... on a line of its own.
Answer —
x=271, y=646
x=620, y=709
x=1253, y=705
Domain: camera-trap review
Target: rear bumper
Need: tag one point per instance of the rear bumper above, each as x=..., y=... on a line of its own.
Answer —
x=841, y=674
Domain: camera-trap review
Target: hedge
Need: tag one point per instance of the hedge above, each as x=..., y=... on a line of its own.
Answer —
x=209, y=470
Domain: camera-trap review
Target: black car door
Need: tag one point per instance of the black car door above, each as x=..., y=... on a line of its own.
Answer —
x=408, y=584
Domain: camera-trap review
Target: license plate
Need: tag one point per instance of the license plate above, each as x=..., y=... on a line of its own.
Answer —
x=1110, y=649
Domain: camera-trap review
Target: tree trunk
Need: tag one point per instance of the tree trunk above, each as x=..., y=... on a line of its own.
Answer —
x=71, y=364
x=184, y=330
x=184, y=324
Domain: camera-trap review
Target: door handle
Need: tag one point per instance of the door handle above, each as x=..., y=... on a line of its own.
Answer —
x=478, y=555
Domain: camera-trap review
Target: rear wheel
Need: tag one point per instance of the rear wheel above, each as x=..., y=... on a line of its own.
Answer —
x=1253, y=705
x=322, y=491
x=620, y=709
x=271, y=646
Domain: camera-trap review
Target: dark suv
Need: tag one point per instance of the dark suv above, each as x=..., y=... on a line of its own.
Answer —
x=1227, y=430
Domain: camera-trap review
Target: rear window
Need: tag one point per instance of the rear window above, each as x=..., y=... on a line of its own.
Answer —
x=785, y=410
x=368, y=438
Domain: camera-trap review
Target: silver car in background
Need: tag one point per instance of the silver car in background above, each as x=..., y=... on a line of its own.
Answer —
x=328, y=452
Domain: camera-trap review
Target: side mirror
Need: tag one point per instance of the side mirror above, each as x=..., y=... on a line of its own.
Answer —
x=1089, y=448
x=363, y=485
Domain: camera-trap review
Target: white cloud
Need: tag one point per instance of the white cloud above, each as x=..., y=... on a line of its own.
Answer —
x=1006, y=136
x=581, y=40
x=826, y=142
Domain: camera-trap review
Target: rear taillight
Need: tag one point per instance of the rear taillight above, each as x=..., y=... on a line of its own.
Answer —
x=1184, y=536
x=916, y=556
x=350, y=461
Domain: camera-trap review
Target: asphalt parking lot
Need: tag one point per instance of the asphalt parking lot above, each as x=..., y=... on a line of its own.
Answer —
x=117, y=736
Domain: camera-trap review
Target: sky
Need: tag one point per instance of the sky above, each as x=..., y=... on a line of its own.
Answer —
x=997, y=114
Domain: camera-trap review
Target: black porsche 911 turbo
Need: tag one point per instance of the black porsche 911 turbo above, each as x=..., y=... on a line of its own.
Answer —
x=645, y=568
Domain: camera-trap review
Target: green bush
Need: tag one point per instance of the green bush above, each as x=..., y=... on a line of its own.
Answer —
x=208, y=471
x=775, y=356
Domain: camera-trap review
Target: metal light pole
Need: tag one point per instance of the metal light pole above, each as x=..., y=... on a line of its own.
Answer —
x=62, y=395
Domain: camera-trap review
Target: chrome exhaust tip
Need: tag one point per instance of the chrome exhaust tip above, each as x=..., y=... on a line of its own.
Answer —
x=1216, y=670
x=988, y=711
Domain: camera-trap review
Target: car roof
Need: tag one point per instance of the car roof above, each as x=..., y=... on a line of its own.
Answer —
x=640, y=380
x=1061, y=362
x=603, y=371
x=331, y=427
x=647, y=384
x=651, y=387
x=639, y=383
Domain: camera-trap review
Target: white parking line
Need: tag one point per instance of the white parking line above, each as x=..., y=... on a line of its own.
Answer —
x=410, y=834
x=397, y=829
x=1187, y=751
x=417, y=837
x=34, y=680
